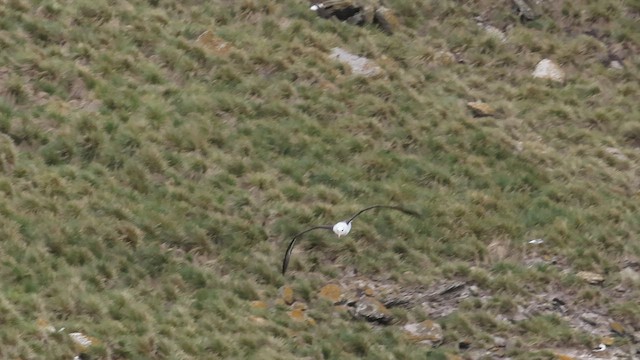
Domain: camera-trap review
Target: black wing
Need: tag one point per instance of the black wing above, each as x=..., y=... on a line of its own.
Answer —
x=406, y=211
x=287, y=255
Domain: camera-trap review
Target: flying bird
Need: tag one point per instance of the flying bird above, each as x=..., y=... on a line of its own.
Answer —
x=342, y=228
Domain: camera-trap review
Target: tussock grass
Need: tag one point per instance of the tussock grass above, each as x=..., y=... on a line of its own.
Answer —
x=149, y=185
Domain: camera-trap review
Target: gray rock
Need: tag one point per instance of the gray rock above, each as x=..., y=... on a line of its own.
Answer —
x=590, y=318
x=359, y=65
x=616, y=65
x=525, y=10
x=427, y=332
x=630, y=276
x=499, y=342
x=372, y=310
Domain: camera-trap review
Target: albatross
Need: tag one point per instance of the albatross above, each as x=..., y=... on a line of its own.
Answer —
x=341, y=228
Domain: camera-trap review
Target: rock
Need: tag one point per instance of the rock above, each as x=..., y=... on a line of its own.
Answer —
x=426, y=332
x=617, y=328
x=547, y=69
x=258, y=320
x=590, y=277
x=213, y=43
x=525, y=11
x=630, y=276
x=616, y=153
x=445, y=58
x=372, y=310
x=386, y=19
x=331, y=292
x=286, y=293
x=479, y=109
x=359, y=65
x=297, y=314
x=616, y=65
x=258, y=304
x=493, y=31
x=368, y=291
x=590, y=318
x=635, y=337
x=499, y=341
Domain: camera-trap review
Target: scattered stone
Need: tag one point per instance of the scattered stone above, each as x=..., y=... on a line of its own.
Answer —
x=427, y=332
x=525, y=11
x=536, y=241
x=297, y=314
x=590, y=277
x=258, y=304
x=480, y=109
x=616, y=65
x=213, y=43
x=258, y=320
x=499, y=341
x=372, y=310
x=617, y=328
x=359, y=65
x=286, y=293
x=547, y=69
x=590, y=318
x=616, y=153
x=300, y=305
x=630, y=276
x=635, y=337
x=368, y=291
x=331, y=292
x=519, y=316
x=492, y=30
x=445, y=58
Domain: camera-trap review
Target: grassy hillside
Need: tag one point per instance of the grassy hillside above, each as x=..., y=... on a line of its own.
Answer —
x=150, y=183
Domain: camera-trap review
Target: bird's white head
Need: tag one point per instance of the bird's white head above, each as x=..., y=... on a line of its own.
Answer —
x=342, y=228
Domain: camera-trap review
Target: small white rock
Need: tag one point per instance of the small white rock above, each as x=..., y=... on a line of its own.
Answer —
x=616, y=65
x=616, y=153
x=547, y=69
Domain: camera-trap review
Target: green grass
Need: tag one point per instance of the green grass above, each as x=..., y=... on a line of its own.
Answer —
x=149, y=186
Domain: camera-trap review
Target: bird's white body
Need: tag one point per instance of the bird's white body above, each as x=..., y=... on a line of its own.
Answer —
x=342, y=228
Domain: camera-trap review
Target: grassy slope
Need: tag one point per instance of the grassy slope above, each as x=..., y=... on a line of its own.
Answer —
x=148, y=186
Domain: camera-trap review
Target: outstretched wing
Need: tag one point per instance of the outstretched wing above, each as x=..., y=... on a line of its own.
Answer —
x=406, y=211
x=287, y=255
